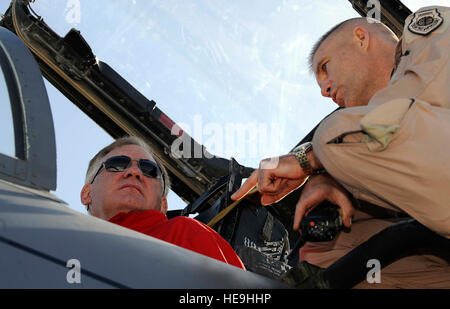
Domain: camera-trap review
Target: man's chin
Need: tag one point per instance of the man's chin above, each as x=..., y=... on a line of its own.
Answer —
x=130, y=204
x=355, y=102
x=349, y=103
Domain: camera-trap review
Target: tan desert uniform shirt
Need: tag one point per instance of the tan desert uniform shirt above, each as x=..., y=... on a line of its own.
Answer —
x=395, y=153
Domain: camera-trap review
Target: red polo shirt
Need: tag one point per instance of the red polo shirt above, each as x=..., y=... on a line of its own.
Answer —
x=181, y=231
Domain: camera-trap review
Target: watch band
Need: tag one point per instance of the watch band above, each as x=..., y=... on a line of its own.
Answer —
x=300, y=153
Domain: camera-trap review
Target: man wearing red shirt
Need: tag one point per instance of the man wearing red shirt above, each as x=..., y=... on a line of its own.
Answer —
x=127, y=186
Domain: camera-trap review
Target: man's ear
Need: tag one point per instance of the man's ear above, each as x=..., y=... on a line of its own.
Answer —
x=163, y=205
x=361, y=37
x=85, y=195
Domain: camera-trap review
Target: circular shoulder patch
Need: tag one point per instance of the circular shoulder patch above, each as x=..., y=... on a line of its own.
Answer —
x=425, y=22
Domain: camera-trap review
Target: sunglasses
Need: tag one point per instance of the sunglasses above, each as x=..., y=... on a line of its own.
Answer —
x=120, y=163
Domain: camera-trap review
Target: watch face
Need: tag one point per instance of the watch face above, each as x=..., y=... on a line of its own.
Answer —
x=305, y=147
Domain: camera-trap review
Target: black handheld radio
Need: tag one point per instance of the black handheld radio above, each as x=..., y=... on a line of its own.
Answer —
x=322, y=224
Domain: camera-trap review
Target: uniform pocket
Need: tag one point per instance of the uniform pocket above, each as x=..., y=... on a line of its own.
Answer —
x=380, y=124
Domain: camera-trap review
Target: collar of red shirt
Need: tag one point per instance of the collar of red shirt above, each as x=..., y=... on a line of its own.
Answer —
x=139, y=220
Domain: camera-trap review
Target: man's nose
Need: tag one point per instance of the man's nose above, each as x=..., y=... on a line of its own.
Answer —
x=325, y=89
x=133, y=171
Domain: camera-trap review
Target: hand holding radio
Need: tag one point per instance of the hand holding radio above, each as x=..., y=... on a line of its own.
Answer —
x=322, y=188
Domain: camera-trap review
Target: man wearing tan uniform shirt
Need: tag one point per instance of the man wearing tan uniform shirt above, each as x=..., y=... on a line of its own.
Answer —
x=389, y=146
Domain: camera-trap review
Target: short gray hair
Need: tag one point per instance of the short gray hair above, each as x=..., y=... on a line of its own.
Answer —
x=321, y=40
x=96, y=161
x=342, y=25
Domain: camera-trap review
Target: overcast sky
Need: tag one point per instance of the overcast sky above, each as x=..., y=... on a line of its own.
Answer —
x=224, y=64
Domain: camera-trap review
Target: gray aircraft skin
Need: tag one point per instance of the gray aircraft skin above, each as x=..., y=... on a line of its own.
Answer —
x=43, y=243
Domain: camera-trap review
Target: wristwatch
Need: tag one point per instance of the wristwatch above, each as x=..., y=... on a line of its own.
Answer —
x=300, y=153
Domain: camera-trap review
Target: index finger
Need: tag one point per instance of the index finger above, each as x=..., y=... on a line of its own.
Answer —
x=249, y=184
x=304, y=204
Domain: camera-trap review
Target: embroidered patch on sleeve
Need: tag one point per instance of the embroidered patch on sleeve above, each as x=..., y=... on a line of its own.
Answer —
x=425, y=22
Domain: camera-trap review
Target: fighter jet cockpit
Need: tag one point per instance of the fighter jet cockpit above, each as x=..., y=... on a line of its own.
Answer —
x=212, y=88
